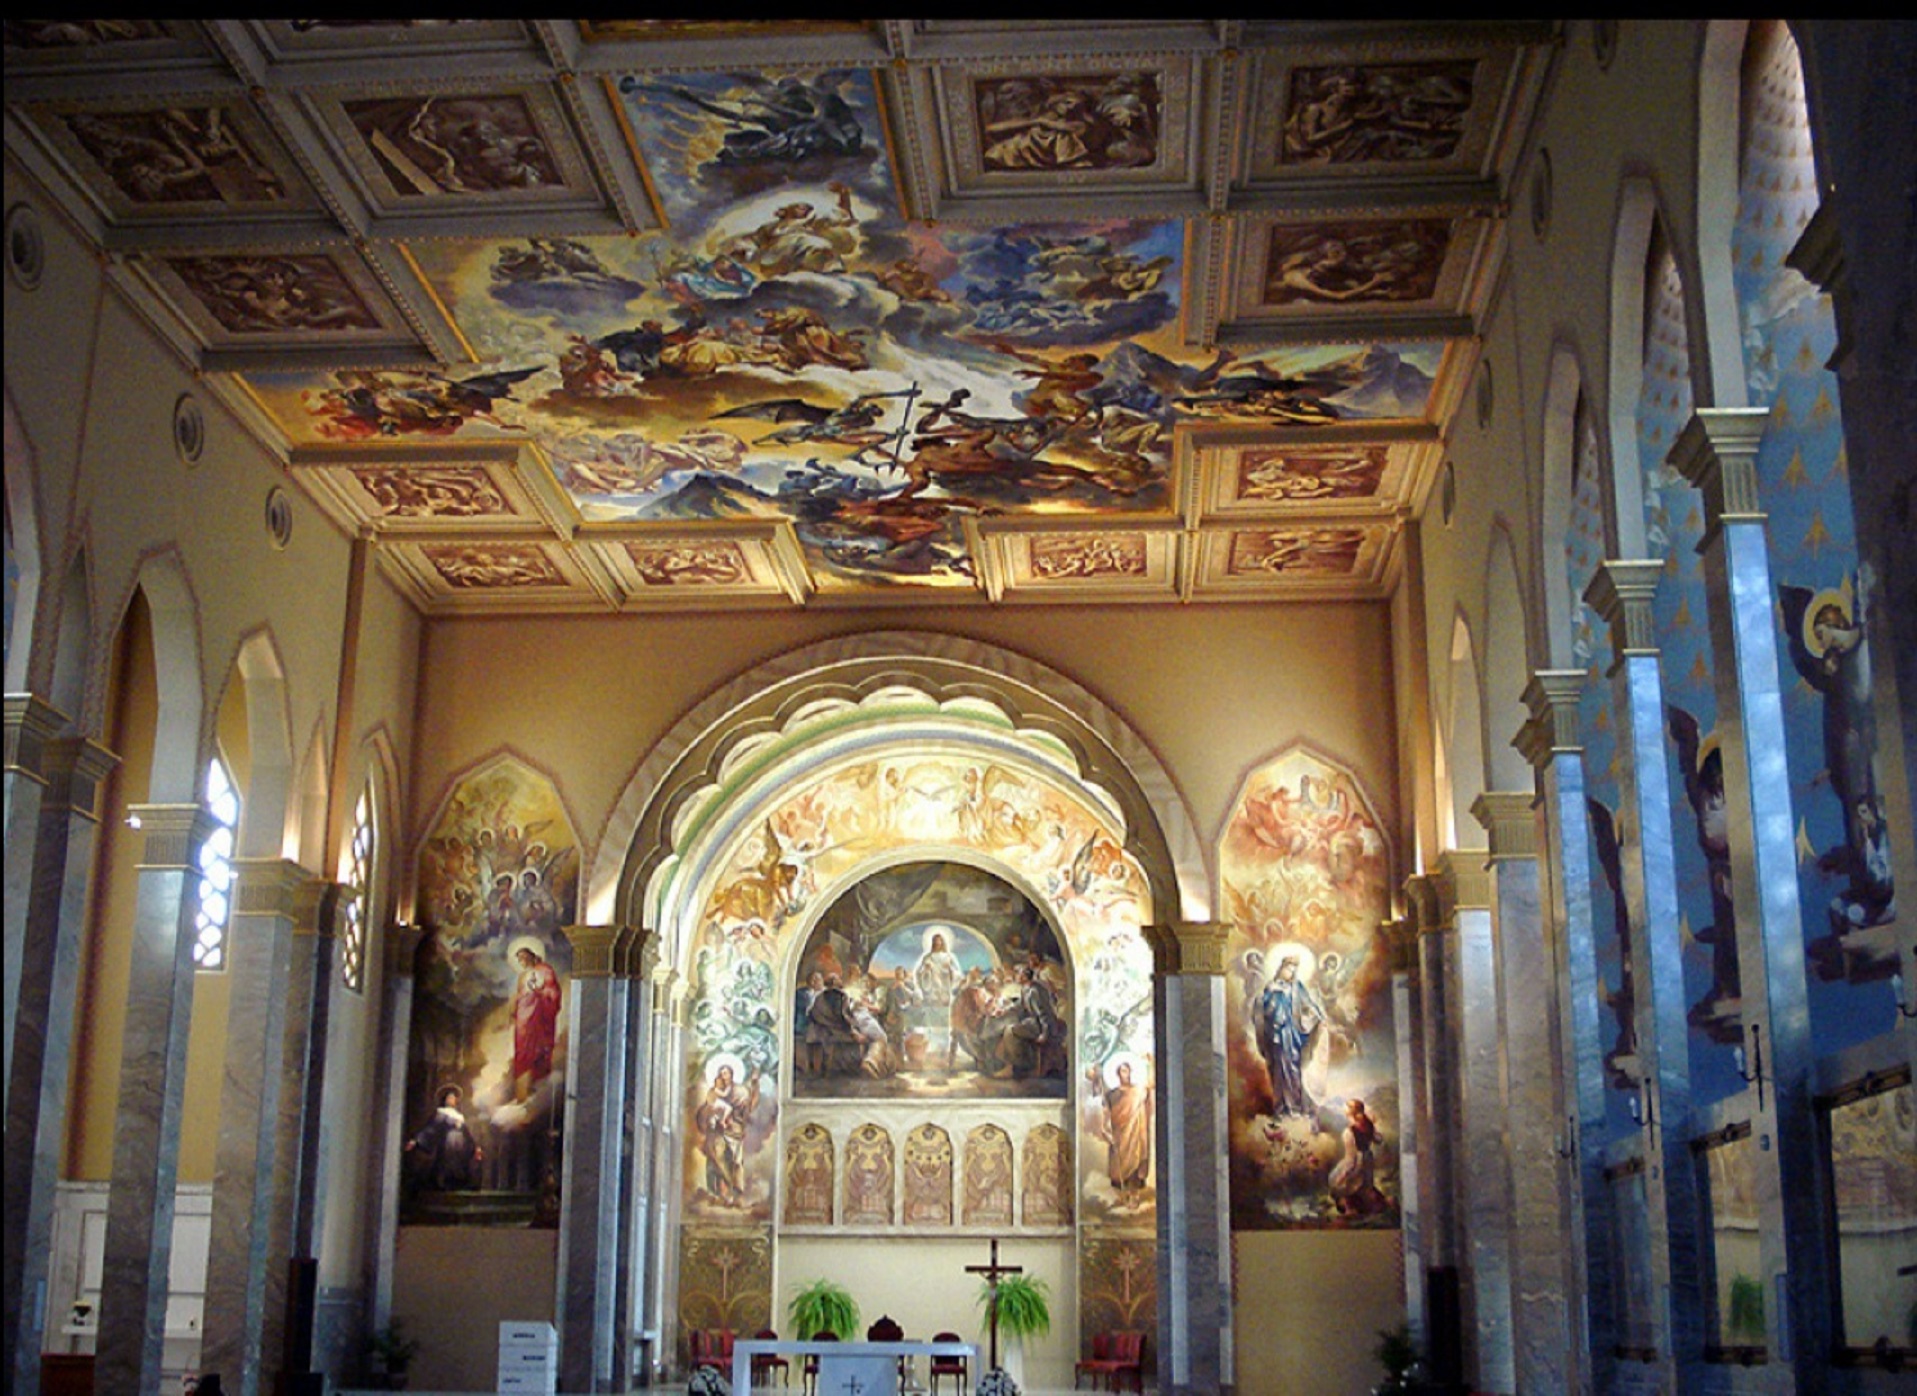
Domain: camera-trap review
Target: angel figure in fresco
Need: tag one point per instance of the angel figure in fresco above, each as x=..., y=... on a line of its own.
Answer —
x=721, y=1120
x=535, y=1014
x=1829, y=649
x=799, y=238
x=1703, y=767
x=792, y=119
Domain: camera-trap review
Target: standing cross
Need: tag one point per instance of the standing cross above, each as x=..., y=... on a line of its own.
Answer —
x=992, y=1274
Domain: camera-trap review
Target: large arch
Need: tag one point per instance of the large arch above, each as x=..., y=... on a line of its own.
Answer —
x=1564, y=383
x=1506, y=663
x=24, y=550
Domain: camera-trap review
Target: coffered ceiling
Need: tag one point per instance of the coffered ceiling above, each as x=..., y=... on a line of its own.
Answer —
x=643, y=314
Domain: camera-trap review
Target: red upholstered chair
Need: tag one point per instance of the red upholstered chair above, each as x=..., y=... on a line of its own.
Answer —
x=763, y=1363
x=1099, y=1364
x=1115, y=1356
x=957, y=1366
x=887, y=1330
x=712, y=1347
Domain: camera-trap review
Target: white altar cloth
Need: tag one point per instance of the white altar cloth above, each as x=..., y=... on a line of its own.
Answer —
x=845, y=1369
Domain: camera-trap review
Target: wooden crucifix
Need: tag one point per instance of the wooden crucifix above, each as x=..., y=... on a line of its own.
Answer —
x=993, y=1273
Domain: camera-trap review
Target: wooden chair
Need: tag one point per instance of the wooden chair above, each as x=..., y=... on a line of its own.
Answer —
x=887, y=1330
x=810, y=1371
x=712, y=1347
x=957, y=1366
x=763, y=1363
x=1114, y=1356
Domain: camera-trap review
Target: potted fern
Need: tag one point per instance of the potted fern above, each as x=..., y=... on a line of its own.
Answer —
x=1024, y=1308
x=391, y=1351
x=824, y=1305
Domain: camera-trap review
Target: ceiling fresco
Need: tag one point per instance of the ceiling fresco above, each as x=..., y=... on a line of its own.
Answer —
x=653, y=314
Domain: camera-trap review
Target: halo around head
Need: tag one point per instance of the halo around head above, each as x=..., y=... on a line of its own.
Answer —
x=532, y=943
x=1838, y=597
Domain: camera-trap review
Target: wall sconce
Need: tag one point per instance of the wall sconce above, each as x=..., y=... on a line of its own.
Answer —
x=1567, y=1140
x=1752, y=1070
x=1642, y=1112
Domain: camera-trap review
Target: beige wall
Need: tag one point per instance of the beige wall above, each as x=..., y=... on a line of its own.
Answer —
x=453, y=1286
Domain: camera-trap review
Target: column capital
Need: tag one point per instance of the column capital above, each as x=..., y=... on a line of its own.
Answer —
x=592, y=950
x=1623, y=591
x=1401, y=936
x=629, y=954
x=172, y=834
x=1463, y=883
x=319, y=906
x=1552, y=696
x=268, y=887
x=1421, y=897
x=31, y=725
x=82, y=766
x=401, y=942
x=1818, y=254
x=1510, y=822
x=1717, y=452
x=1189, y=947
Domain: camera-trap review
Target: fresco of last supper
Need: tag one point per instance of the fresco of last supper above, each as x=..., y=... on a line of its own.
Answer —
x=792, y=348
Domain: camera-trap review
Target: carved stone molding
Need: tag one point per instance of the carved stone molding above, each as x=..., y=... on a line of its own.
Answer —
x=1463, y=883
x=402, y=946
x=1818, y=254
x=1402, y=936
x=1189, y=947
x=629, y=953
x=319, y=907
x=1624, y=593
x=81, y=767
x=172, y=835
x=32, y=723
x=1510, y=822
x=1421, y=897
x=268, y=887
x=592, y=950
x=1717, y=452
x=1552, y=697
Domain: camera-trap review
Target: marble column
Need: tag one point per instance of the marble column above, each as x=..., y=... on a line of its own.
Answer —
x=1483, y=1177
x=591, y=1233
x=146, y=1133
x=1527, y=1029
x=1717, y=452
x=31, y=725
x=1408, y=1019
x=259, y=952
x=1551, y=743
x=62, y=793
x=1194, y=1202
x=387, y=1140
x=639, y=965
x=286, y=1342
x=1436, y=1105
x=1622, y=593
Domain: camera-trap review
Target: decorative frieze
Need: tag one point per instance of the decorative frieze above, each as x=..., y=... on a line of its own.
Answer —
x=593, y=950
x=1463, y=883
x=172, y=835
x=1717, y=452
x=1510, y=822
x=268, y=886
x=1624, y=593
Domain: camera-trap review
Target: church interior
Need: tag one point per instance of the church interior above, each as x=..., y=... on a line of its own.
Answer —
x=1178, y=702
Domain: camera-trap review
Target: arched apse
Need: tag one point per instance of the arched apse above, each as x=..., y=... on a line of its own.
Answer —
x=1506, y=664
x=788, y=791
x=1564, y=382
x=757, y=702
x=1465, y=724
x=23, y=552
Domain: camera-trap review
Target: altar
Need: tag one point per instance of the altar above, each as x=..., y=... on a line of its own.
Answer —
x=845, y=1369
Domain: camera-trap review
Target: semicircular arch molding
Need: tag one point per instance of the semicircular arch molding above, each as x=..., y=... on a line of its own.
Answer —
x=866, y=693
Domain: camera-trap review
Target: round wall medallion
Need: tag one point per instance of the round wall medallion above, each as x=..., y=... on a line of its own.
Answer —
x=1487, y=396
x=189, y=429
x=26, y=247
x=279, y=518
x=1604, y=41
x=1448, y=494
x=1541, y=196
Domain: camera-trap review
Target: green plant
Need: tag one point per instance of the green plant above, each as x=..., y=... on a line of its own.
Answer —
x=1398, y=1355
x=1024, y=1306
x=392, y=1351
x=1747, y=1307
x=823, y=1305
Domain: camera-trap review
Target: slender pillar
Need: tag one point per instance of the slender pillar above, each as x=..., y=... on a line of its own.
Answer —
x=590, y=1219
x=1622, y=592
x=1482, y=1197
x=259, y=953
x=1551, y=743
x=640, y=967
x=1194, y=1222
x=1717, y=452
x=31, y=725
x=146, y=1132
x=388, y=1138
x=1527, y=1030
x=44, y=966
x=1408, y=1017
